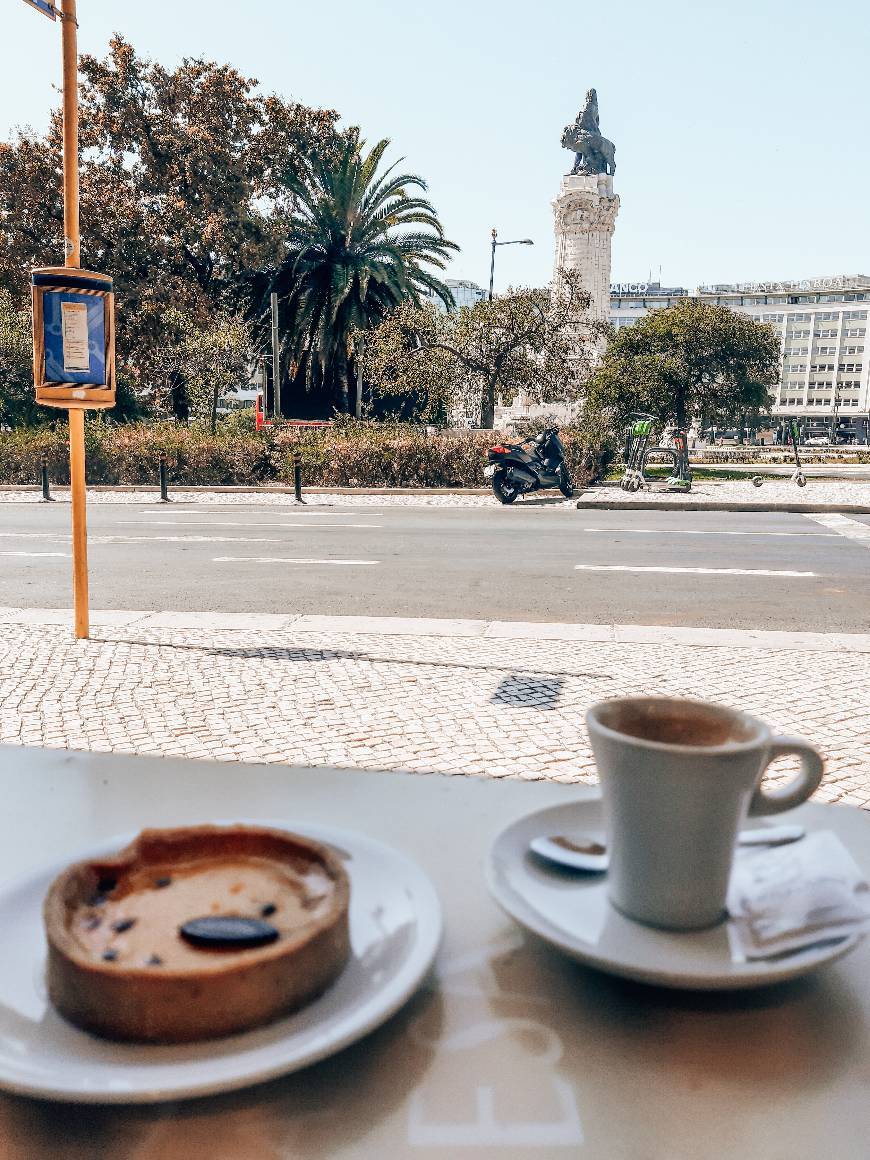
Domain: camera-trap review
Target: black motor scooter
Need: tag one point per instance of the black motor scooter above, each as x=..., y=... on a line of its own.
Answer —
x=535, y=463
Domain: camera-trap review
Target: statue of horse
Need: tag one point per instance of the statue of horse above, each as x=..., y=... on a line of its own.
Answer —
x=594, y=153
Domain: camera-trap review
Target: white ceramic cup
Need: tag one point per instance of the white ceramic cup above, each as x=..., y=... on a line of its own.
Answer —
x=678, y=779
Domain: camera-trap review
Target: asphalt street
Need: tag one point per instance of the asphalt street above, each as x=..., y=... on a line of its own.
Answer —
x=546, y=561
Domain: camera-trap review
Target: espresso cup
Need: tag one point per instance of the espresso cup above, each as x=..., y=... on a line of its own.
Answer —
x=678, y=779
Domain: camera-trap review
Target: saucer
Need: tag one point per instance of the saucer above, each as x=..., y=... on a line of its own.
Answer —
x=571, y=911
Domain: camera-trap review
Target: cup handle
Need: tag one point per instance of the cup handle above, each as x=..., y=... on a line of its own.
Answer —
x=797, y=791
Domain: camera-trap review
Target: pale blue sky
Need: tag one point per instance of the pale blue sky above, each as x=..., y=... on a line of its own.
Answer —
x=741, y=126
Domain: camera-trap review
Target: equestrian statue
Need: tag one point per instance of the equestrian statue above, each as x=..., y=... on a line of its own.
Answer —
x=592, y=152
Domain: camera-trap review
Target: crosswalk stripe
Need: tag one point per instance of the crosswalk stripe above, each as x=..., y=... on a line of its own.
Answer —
x=842, y=526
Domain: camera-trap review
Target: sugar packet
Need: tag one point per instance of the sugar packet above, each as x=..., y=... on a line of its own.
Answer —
x=784, y=898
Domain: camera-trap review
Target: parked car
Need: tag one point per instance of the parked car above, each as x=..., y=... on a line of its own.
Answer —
x=814, y=439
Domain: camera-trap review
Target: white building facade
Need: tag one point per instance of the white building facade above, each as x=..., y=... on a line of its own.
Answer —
x=822, y=326
x=463, y=292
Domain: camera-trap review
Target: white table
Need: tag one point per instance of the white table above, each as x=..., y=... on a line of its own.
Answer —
x=511, y=1051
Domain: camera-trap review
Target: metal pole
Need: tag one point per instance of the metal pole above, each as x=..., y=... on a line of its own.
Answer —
x=276, y=360
x=359, y=375
x=492, y=263
x=72, y=255
x=164, y=494
x=46, y=489
x=297, y=477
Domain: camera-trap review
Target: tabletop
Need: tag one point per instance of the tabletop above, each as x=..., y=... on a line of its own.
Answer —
x=508, y=1050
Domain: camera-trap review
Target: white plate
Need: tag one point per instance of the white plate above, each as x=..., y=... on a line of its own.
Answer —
x=570, y=910
x=395, y=928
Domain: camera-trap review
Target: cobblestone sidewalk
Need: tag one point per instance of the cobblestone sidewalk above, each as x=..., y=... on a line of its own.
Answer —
x=425, y=701
x=820, y=493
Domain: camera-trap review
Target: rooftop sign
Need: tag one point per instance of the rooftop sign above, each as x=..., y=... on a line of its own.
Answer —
x=836, y=282
x=644, y=290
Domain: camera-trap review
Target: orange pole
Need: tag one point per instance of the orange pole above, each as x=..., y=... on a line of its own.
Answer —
x=69, y=32
x=78, y=491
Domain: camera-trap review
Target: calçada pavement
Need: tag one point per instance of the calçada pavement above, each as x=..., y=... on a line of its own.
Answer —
x=479, y=698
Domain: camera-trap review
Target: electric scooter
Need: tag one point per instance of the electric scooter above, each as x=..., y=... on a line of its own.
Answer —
x=793, y=437
x=637, y=440
x=798, y=476
x=680, y=478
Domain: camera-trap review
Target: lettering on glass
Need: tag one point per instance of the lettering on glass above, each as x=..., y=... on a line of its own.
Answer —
x=74, y=336
x=487, y=1130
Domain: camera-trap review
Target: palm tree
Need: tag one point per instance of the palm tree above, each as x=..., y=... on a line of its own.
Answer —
x=359, y=245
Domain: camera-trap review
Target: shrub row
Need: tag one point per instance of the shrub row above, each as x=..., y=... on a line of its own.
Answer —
x=347, y=455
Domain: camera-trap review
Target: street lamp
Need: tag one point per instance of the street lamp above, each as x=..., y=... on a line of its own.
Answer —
x=517, y=242
x=834, y=417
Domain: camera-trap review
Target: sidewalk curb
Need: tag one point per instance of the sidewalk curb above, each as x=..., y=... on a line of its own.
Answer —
x=578, y=634
x=801, y=509
x=278, y=489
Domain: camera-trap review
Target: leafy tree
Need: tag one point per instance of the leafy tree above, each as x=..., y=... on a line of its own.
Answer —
x=358, y=246
x=410, y=377
x=691, y=360
x=539, y=341
x=182, y=189
x=203, y=363
x=17, y=400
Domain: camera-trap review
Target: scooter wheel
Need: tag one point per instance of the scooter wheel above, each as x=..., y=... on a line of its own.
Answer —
x=757, y=481
x=801, y=481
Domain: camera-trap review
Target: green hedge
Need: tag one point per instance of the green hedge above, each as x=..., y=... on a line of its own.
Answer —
x=346, y=455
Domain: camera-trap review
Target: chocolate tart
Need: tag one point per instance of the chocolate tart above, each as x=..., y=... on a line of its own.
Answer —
x=197, y=932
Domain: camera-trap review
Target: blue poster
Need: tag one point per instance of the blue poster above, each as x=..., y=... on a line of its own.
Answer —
x=45, y=7
x=74, y=326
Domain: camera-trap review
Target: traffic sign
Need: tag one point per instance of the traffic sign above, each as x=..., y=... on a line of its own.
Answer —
x=45, y=7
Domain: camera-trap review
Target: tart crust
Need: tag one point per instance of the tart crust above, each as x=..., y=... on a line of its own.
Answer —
x=193, y=995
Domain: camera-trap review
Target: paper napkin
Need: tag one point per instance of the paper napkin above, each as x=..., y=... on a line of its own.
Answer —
x=783, y=898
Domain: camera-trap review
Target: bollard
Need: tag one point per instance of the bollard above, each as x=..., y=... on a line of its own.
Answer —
x=164, y=497
x=46, y=493
x=297, y=478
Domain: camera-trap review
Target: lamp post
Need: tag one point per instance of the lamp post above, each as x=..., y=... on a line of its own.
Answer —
x=495, y=242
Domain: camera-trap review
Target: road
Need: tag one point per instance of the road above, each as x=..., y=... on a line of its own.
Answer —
x=540, y=563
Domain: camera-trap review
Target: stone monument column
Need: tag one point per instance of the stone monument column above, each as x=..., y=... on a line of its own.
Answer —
x=585, y=216
x=586, y=208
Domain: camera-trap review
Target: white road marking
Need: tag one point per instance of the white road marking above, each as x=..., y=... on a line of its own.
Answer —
x=282, y=560
x=236, y=509
x=698, y=571
x=271, y=524
x=35, y=535
x=842, y=526
x=65, y=555
x=184, y=540
x=704, y=532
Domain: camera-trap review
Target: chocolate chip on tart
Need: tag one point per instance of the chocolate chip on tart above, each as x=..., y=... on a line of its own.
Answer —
x=111, y=922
